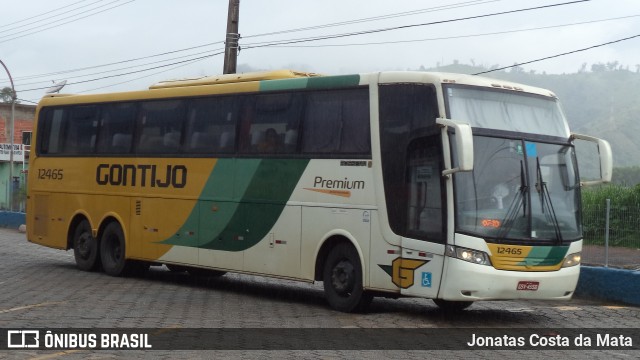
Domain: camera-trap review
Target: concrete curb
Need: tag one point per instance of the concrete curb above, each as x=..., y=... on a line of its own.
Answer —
x=12, y=220
x=609, y=284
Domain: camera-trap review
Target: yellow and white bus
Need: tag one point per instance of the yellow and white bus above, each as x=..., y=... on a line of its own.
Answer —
x=451, y=187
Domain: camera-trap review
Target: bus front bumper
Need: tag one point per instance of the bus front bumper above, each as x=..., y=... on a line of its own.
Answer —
x=465, y=281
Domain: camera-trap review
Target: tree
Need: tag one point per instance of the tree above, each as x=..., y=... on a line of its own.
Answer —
x=6, y=95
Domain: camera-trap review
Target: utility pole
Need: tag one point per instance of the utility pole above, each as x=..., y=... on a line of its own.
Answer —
x=232, y=38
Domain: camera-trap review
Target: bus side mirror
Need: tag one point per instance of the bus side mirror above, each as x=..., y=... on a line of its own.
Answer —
x=606, y=159
x=464, y=145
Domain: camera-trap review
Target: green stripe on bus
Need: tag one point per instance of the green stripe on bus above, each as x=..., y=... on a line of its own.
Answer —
x=261, y=206
x=261, y=190
x=545, y=256
x=320, y=82
x=284, y=84
x=218, y=201
x=327, y=82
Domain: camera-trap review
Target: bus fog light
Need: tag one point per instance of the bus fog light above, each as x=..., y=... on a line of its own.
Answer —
x=572, y=260
x=470, y=255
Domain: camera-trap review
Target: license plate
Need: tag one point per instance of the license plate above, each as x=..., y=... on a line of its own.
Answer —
x=528, y=285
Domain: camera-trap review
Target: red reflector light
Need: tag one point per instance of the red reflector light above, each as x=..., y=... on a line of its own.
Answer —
x=493, y=223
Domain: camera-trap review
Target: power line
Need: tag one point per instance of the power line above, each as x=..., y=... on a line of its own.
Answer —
x=124, y=68
x=47, y=18
x=335, y=36
x=299, y=40
x=42, y=14
x=142, y=77
x=462, y=4
x=64, y=23
x=376, y=18
x=115, y=63
x=406, y=13
x=130, y=72
x=446, y=7
x=29, y=101
x=457, y=36
x=558, y=55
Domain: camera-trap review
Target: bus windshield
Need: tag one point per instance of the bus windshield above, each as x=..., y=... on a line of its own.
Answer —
x=519, y=190
x=509, y=111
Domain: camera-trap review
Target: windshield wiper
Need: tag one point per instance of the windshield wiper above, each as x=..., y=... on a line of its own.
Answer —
x=514, y=207
x=524, y=188
x=545, y=198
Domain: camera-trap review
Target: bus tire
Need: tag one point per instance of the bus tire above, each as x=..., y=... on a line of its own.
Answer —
x=112, y=251
x=452, y=306
x=342, y=280
x=85, y=247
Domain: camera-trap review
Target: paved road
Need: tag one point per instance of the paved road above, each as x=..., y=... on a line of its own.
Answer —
x=40, y=288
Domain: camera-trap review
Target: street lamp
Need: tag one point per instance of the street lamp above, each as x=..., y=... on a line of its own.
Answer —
x=14, y=97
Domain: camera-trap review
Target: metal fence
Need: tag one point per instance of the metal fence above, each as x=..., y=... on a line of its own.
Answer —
x=611, y=235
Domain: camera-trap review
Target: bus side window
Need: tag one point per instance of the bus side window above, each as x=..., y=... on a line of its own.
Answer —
x=269, y=123
x=82, y=125
x=117, y=123
x=161, y=125
x=52, y=130
x=70, y=131
x=211, y=124
x=337, y=121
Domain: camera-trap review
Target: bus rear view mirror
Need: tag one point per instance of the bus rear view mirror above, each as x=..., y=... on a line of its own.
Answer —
x=463, y=144
x=604, y=156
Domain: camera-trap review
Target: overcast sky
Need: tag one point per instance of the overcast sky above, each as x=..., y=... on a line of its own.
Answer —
x=44, y=40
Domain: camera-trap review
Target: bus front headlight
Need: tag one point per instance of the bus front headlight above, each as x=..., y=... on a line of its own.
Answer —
x=470, y=255
x=572, y=260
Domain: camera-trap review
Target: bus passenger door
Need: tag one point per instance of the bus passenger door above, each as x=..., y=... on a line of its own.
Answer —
x=420, y=269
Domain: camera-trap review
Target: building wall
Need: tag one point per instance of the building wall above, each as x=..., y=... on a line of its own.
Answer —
x=19, y=188
x=23, y=121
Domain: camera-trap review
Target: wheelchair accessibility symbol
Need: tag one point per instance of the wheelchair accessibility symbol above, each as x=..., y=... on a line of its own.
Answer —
x=426, y=279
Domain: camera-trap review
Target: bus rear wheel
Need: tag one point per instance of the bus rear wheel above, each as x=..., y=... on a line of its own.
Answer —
x=112, y=251
x=342, y=280
x=85, y=247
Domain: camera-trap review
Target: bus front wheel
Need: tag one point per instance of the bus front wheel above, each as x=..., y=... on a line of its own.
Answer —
x=112, y=251
x=342, y=280
x=85, y=247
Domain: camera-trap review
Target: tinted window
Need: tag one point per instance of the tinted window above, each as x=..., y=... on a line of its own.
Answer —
x=323, y=123
x=117, y=124
x=211, y=125
x=70, y=130
x=337, y=122
x=270, y=122
x=412, y=160
x=161, y=124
